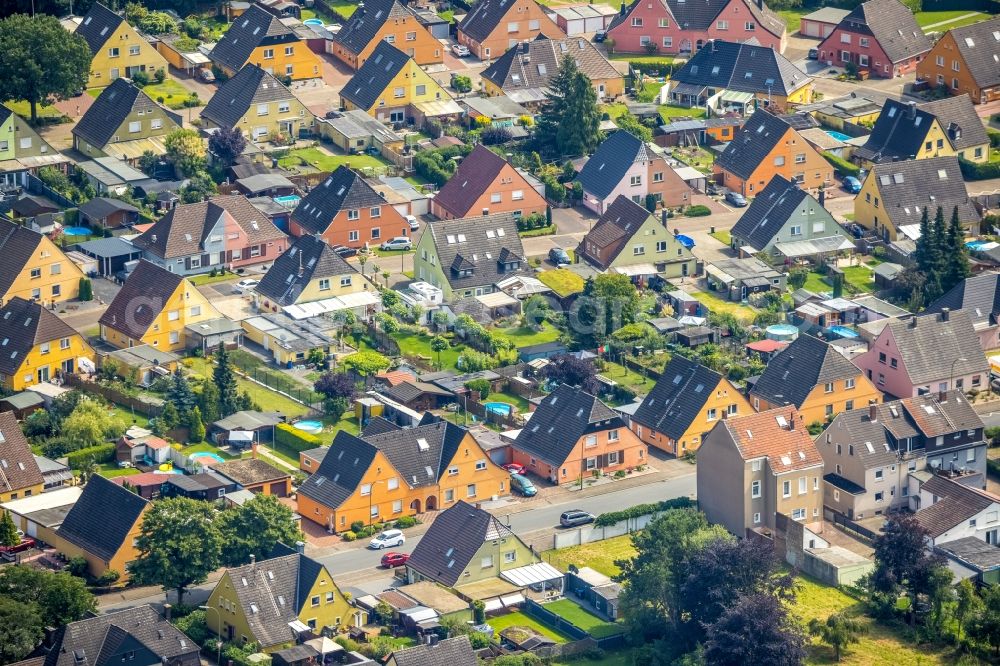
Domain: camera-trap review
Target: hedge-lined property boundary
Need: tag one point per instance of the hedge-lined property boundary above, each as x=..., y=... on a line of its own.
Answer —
x=297, y=440
x=613, y=517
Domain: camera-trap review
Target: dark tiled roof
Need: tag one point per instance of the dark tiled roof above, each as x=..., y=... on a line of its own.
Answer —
x=487, y=15
x=18, y=467
x=341, y=471
x=452, y=540
x=100, y=207
x=610, y=162
x=681, y=391
x=920, y=347
x=803, y=365
x=474, y=176
x=109, y=111
x=450, y=652
x=249, y=471
x=479, y=242
x=101, y=519
x=741, y=67
x=533, y=65
x=412, y=390
x=561, y=419
x=23, y=326
x=343, y=190
x=366, y=22
x=892, y=24
x=955, y=505
x=844, y=484
x=908, y=187
x=248, y=87
x=859, y=429
x=97, y=26
x=958, y=112
x=901, y=128
x=309, y=258
x=372, y=78
x=141, y=299
x=614, y=229
x=17, y=247
x=378, y=426
x=254, y=27
x=753, y=144
x=421, y=455
x=777, y=434
x=184, y=231
x=700, y=16
x=980, y=48
x=769, y=212
x=977, y=295
x=974, y=552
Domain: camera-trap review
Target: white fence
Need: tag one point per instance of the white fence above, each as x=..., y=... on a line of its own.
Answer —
x=590, y=534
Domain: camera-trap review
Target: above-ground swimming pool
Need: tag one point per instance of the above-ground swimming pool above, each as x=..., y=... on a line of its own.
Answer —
x=288, y=201
x=979, y=245
x=839, y=136
x=313, y=21
x=781, y=332
x=844, y=332
x=76, y=231
x=214, y=457
x=311, y=427
x=499, y=408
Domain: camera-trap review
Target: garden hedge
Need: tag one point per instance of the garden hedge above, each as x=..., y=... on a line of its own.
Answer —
x=103, y=453
x=843, y=167
x=977, y=171
x=297, y=440
x=612, y=517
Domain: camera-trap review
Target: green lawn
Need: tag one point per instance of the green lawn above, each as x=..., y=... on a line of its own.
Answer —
x=694, y=156
x=324, y=161
x=520, y=403
x=647, y=59
x=263, y=396
x=925, y=19
x=610, y=658
x=522, y=620
x=208, y=278
x=562, y=281
x=111, y=470
x=600, y=555
x=344, y=7
x=650, y=91
x=420, y=345
x=860, y=277
x=205, y=447
x=639, y=383
x=173, y=93
x=448, y=15
x=308, y=14
x=716, y=303
x=670, y=112
x=583, y=619
x=793, y=17
x=23, y=109
x=723, y=237
x=524, y=336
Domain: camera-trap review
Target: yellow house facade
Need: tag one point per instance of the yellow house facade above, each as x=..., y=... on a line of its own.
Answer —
x=34, y=268
x=407, y=85
x=41, y=345
x=256, y=102
x=258, y=37
x=117, y=49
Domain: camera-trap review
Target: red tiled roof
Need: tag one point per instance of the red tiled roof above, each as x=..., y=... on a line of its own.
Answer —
x=144, y=479
x=779, y=434
x=766, y=346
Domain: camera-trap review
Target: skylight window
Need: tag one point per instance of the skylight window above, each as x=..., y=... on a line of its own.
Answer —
x=897, y=178
x=422, y=444
x=969, y=42
x=942, y=174
x=715, y=70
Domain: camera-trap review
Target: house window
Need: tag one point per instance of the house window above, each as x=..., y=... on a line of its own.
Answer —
x=803, y=486
x=845, y=38
x=352, y=236
x=879, y=496
x=848, y=383
x=366, y=489
x=664, y=23
x=289, y=50
x=487, y=561
x=268, y=54
x=713, y=414
x=722, y=25
x=863, y=41
x=421, y=89
x=534, y=25
x=64, y=343
x=749, y=26
x=480, y=465
x=800, y=158
x=755, y=489
x=590, y=442
x=879, y=475
x=324, y=285
x=135, y=126
x=44, y=348
x=284, y=107
x=496, y=197
x=133, y=50
x=517, y=195
x=36, y=273
x=470, y=490
x=196, y=311
x=798, y=514
x=398, y=92
x=376, y=233
x=668, y=42
x=345, y=281
x=756, y=466
x=786, y=488
x=510, y=556
x=661, y=246
x=591, y=464
x=513, y=26
x=756, y=519
x=262, y=109
x=970, y=455
x=849, y=405
x=796, y=230
x=614, y=458
x=449, y=495
x=375, y=211
x=638, y=250
x=397, y=506
x=613, y=436
x=635, y=181
x=636, y=21
x=113, y=52
x=173, y=315
x=155, y=123
x=354, y=214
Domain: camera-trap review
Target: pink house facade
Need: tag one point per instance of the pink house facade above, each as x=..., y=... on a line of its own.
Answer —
x=655, y=22
x=880, y=36
x=865, y=52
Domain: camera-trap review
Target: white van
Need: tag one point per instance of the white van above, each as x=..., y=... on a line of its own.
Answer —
x=413, y=222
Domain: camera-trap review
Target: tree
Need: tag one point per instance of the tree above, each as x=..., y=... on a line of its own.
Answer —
x=225, y=382
x=60, y=597
x=572, y=371
x=335, y=407
x=185, y=151
x=634, y=126
x=196, y=427
x=336, y=385
x=168, y=419
x=901, y=561
x=180, y=394
x=21, y=630
x=797, y=278
x=8, y=531
x=438, y=344
x=569, y=123
x=480, y=386
x=227, y=144
x=838, y=631
x=367, y=362
x=91, y=424
x=255, y=528
x=984, y=626
x=968, y=604
x=957, y=268
x=611, y=302
x=208, y=402
x=200, y=187
x=42, y=62
x=179, y=545
x=755, y=630
x=86, y=289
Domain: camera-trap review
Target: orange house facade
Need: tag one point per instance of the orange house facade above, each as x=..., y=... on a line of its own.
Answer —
x=400, y=28
x=493, y=26
x=605, y=451
x=946, y=64
x=486, y=184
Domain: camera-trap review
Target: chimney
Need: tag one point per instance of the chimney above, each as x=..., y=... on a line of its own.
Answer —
x=872, y=411
x=663, y=216
x=791, y=421
x=622, y=10
x=253, y=450
x=167, y=609
x=300, y=547
x=822, y=197
x=253, y=559
x=945, y=314
x=911, y=110
x=913, y=322
x=524, y=47
x=954, y=131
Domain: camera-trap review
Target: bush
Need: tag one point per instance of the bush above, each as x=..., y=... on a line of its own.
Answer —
x=612, y=517
x=843, y=167
x=349, y=536
x=994, y=136
x=663, y=67
x=295, y=439
x=98, y=455
x=406, y=521
x=698, y=210
x=976, y=171
x=140, y=79
x=992, y=435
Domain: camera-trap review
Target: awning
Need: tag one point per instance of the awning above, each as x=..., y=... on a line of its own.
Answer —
x=439, y=107
x=493, y=604
x=636, y=270
x=719, y=274
x=133, y=150
x=532, y=574
x=816, y=246
x=346, y=302
x=688, y=89
x=420, y=613
x=735, y=97
x=497, y=299
x=688, y=174
x=240, y=436
x=512, y=599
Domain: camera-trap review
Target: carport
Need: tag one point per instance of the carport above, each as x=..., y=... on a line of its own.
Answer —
x=540, y=577
x=111, y=253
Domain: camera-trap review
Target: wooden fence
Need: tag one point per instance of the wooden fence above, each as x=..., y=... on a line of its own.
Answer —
x=135, y=403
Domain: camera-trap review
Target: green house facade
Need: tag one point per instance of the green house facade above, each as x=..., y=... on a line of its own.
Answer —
x=22, y=149
x=124, y=122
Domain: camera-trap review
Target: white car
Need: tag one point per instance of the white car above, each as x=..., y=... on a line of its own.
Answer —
x=244, y=286
x=397, y=243
x=387, y=539
x=413, y=222
x=461, y=50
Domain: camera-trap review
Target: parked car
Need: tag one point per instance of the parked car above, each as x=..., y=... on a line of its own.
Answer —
x=245, y=285
x=575, y=517
x=387, y=539
x=206, y=75
x=392, y=560
x=397, y=243
x=736, y=199
x=124, y=464
x=852, y=184
x=413, y=222
x=712, y=189
x=514, y=468
x=600, y=36
x=10, y=552
x=523, y=485
x=856, y=230
x=814, y=54
x=461, y=50
x=345, y=252
x=559, y=256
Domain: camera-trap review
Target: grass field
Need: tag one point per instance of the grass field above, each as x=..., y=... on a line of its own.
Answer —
x=420, y=345
x=716, y=303
x=952, y=18
x=670, y=112
x=723, y=237
x=324, y=161
x=581, y=618
x=793, y=18
x=562, y=281
x=643, y=59
x=111, y=470
x=521, y=620
x=23, y=109
x=344, y=7
x=619, y=373
x=173, y=93
x=861, y=278
x=523, y=336
x=600, y=555
x=208, y=278
x=263, y=396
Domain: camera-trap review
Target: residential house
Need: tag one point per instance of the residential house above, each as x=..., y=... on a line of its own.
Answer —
x=257, y=476
x=494, y=26
x=271, y=602
x=35, y=268
x=311, y=271
x=629, y=239
x=684, y=405
x=23, y=150
x=117, y=49
x=262, y=39
x=871, y=453
x=152, y=308
x=728, y=75
x=390, y=85
x=419, y=396
x=205, y=486
x=345, y=210
x=138, y=634
x=467, y=257
x=894, y=195
x=677, y=27
x=37, y=345
x=572, y=435
x=224, y=232
x=524, y=71
x=624, y=165
x=816, y=379
x=102, y=527
x=385, y=20
x=486, y=183
x=465, y=545
x=966, y=61
x=907, y=357
x=879, y=36
x=357, y=132
x=21, y=476
x=907, y=131
x=950, y=511
x=108, y=213
x=768, y=146
x=787, y=223
x=259, y=425
x=256, y=102
x=397, y=472
x=753, y=467
x=822, y=22
x=147, y=485
x=737, y=279
x=124, y=122
x=291, y=341
x=454, y=651
x=979, y=297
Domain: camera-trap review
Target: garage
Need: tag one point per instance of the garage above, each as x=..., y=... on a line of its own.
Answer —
x=822, y=22
x=278, y=489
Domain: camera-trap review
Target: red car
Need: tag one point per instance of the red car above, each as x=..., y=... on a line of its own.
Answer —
x=10, y=552
x=514, y=468
x=391, y=560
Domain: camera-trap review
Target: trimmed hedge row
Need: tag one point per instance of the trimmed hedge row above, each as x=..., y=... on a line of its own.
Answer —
x=977, y=171
x=993, y=467
x=843, y=167
x=612, y=517
x=103, y=453
x=295, y=439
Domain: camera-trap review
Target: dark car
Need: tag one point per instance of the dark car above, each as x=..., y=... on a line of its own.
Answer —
x=575, y=517
x=391, y=560
x=736, y=199
x=852, y=184
x=814, y=54
x=345, y=252
x=523, y=485
x=600, y=37
x=559, y=256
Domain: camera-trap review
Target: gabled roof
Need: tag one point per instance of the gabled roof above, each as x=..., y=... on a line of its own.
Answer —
x=17, y=247
x=780, y=435
x=901, y=128
x=413, y=389
x=769, y=212
x=110, y=109
x=935, y=415
x=245, y=89
x=560, y=420
x=342, y=190
x=910, y=186
x=976, y=295
x=872, y=444
x=958, y=112
x=700, y=16
x=979, y=45
x=23, y=326
x=184, y=231
x=452, y=540
x=678, y=396
x=141, y=299
x=482, y=243
x=474, y=176
x=956, y=505
x=533, y=64
x=921, y=342
x=753, y=144
x=449, y=652
x=367, y=20
x=892, y=24
x=421, y=455
x=372, y=78
x=611, y=161
x=486, y=16
x=619, y=223
x=805, y=364
x=98, y=26
x=102, y=518
x=101, y=207
x=309, y=258
x=254, y=27
x=18, y=467
x=341, y=471
x=742, y=67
